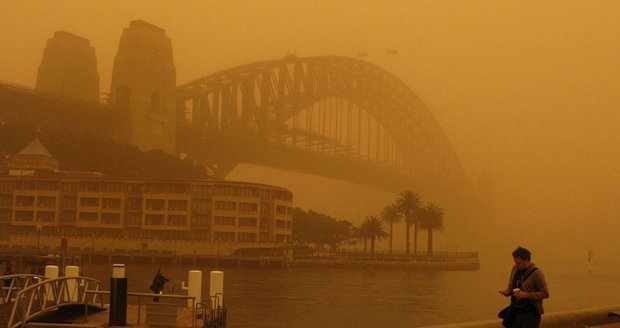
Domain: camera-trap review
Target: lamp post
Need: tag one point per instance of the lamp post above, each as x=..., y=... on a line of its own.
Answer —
x=39, y=229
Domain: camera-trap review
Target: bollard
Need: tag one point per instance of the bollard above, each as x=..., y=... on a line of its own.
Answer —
x=216, y=289
x=194, y=287
x=118, y=296
x=51, y=272
x=72, y=287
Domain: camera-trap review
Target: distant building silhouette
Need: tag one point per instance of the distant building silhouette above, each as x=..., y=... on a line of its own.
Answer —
x=69, y=67
x=144, y=85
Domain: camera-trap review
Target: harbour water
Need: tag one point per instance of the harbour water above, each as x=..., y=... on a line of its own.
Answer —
x=261, y=298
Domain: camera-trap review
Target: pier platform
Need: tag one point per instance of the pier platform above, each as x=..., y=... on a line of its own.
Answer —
x=137, y=317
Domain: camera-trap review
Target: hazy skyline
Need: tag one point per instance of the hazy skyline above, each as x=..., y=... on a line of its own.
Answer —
x=526, y=91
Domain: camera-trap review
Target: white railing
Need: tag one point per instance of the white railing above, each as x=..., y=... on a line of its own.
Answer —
x=50, y=294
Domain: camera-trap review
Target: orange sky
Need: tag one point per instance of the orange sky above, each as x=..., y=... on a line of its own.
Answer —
x=527, y=91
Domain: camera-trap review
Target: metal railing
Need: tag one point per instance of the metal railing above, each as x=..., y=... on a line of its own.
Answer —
x=50, y=294
x=214, y=312
x=13, y=283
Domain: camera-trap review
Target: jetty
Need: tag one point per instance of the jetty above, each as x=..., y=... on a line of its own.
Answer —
x=28, y=300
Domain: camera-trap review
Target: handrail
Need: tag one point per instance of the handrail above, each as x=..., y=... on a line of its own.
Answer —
x=51, y=293
x=16, y=283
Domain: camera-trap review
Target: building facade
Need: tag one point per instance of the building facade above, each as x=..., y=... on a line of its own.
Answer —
x=89, y=210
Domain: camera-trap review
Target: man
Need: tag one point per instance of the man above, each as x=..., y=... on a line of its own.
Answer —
x=158, y=284
x=527, y=288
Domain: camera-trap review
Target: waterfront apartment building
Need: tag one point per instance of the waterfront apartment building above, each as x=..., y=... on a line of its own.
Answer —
x=89, y=210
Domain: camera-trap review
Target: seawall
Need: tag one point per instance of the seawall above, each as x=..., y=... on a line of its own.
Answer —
x=562, y=319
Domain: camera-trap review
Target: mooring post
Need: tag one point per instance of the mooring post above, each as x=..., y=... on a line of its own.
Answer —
x=194, y=287
x=118, y=296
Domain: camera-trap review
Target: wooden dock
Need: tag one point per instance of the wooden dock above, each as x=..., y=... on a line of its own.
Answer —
x=137, y=317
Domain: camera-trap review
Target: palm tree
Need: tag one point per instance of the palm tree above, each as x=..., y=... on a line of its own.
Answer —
x=391, y=215
x=372, y=229
x=408, y=204
x=432, y=219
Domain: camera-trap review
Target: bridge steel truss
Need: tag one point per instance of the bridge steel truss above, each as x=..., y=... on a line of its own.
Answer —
x=329, y=105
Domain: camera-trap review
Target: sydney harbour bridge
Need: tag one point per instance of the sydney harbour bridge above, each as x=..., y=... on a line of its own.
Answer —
x=333, y=116
x=338, y=117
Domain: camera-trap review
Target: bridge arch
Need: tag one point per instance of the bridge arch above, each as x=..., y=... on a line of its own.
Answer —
x=368, y=113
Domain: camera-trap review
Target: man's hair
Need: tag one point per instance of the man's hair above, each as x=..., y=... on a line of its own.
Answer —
x=522, y=253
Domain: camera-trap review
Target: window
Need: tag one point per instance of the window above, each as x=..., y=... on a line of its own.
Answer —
x=265, y=223
x=246, y=191
x=6, y=200
x=224, y=236
x=156, y=188
x=248, y=207
x=24, y=201
x=247, y=236
x=154, y=219
x=134, y=203
x=5, y=215
x=68, y=202
x=89, y=186
x=223, y=190
x=25, y=185
x=48, y=185
x=46, y=216
x=247, y=222
x=89, y=216
x=265, y=209
x=201, y=191
x=281, y=209
x=280, y=224
x=177, y=205
x=114, y=187
x=264, y=237
x=70, y=186
x=177, y=220
x=44, y=201
x=225, y=206
x=201, y=205
x=265, y=194
x=155, y=204
x=24, y=216
x=135, y=188
x=67, y=217
x=110, y=218
x=200, y=221
x=133, y=219
x=111, y=202
x=6, y=186
x=224, y=221
x=89, y=201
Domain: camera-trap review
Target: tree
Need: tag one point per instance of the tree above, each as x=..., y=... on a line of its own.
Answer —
x=315, y=228
x=372, y=229
x=409, y=204
x=391, y=215
x=431, y=219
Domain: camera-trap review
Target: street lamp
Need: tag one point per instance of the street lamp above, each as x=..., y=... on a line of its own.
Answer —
x=39, y=229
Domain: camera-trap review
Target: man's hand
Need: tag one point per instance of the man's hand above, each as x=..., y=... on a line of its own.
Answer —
x=520, y=294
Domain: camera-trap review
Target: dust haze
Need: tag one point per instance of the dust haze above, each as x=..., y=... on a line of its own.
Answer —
x=527, y=92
